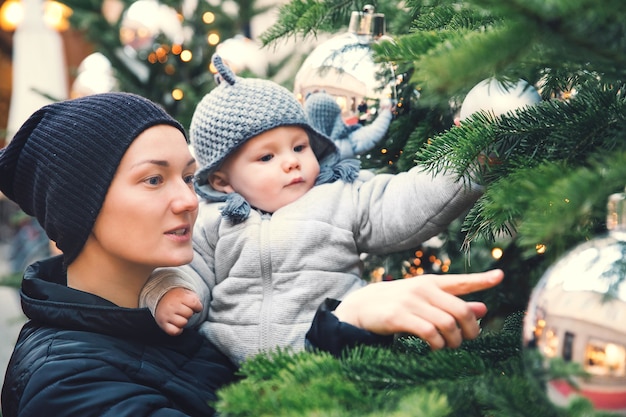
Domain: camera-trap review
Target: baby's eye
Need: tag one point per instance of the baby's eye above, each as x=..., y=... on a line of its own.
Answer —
x=266, y=158
x=156, y=180
x=299, y=148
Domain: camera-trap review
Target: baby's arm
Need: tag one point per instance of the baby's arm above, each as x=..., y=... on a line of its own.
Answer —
x=397, y=212
x=173, y=295
x=175, y=309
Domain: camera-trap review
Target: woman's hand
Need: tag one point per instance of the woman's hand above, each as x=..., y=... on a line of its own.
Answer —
x=426, y=306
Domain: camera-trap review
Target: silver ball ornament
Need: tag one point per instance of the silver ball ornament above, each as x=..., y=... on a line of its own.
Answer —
x=577, y=313
x=343, y=66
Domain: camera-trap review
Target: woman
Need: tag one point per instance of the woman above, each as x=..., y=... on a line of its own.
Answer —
x=109, y=177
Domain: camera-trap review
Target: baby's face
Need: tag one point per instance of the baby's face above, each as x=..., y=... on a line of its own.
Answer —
x=270, y=170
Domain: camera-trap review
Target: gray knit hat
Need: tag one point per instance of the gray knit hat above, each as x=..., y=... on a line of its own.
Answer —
x=239, y=109
x=60, y=163
x=324, y=114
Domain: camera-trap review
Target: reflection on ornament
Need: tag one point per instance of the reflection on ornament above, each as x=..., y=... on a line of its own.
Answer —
x=95, y=75
x=343, y=66
x=241, y=54
x=577, y=314
x=498, y=97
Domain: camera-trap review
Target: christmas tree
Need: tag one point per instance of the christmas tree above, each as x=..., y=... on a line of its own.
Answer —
x=162, y=49
x=548, y=170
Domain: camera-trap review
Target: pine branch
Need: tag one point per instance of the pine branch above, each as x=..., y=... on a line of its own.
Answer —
x=306, y=17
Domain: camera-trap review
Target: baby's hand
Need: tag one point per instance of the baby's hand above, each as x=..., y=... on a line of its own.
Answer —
x=175, y=308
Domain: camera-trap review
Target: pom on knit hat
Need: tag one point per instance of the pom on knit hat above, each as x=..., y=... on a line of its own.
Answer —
x=60, y=163
x=239, y=109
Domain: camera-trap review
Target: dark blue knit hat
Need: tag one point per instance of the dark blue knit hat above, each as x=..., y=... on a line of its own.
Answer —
x=60, y=163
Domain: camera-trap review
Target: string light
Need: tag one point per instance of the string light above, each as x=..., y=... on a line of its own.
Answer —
x=56, y=15
x=177, y=94
x=186, y=55
x=208, y=18
x=11, y=14
x=213, y=38
x=540, y=248
x=496, y=253
x=177, y=49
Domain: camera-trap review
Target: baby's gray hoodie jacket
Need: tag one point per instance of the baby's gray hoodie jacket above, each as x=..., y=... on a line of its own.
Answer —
x=262, y=280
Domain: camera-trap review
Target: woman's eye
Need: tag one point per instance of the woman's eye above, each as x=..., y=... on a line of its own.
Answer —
x=266, y=158
x=156, y=180
x=189, y=179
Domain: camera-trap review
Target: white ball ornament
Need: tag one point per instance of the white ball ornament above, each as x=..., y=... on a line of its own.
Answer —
x=144, y=20
x=577, y=313
x=498, y=97
x=242, y=53
x=94, y=75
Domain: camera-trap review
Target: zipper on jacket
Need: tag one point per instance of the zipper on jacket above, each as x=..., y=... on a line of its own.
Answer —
x=266, y=282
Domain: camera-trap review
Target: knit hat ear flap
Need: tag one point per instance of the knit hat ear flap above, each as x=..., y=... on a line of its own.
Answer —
x=61, y=162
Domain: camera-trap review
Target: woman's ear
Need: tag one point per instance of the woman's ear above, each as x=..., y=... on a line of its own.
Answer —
x=219, y=182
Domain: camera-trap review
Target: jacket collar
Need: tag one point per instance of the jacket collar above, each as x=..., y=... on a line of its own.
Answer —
x=47, y=299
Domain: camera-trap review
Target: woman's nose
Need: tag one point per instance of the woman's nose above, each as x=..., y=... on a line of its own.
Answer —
x=186, y=199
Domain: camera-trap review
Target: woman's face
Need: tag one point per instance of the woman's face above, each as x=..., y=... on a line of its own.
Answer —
x=150, y=208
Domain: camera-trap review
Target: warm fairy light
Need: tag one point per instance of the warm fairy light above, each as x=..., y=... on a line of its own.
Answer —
x=213, y=38
x=177, y=49
x=383, y=151
x=177, y=94
x=11, y=14
x=496, y=253
x=186, y=55
x=55, y=15
x=170, y=69
x=567, y=200
x=208, y=18
x=540, y=248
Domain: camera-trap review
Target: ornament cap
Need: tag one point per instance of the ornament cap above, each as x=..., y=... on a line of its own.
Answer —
x=368, y=24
